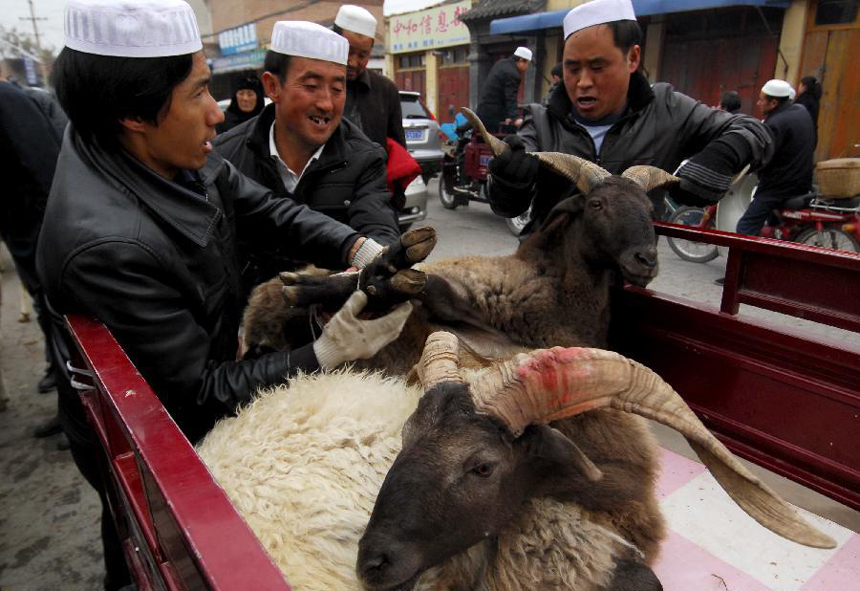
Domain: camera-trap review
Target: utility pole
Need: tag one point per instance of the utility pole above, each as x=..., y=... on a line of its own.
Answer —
x=33, y=18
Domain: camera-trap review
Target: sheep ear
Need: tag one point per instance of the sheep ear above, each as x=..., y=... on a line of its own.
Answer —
x=570, y=206
x=551, y=445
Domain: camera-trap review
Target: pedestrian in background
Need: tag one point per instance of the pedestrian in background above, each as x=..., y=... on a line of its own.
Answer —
x=246, y=103
x=809, y=96
x=497, y=108
x=557, y=72
x=730, y=102
x=29, y=146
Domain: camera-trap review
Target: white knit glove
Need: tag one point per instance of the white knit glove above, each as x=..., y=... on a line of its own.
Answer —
x=346, y=338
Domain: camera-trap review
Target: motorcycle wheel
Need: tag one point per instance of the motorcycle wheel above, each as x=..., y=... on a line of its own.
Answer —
x=447, y=199
x=517, y=224
x=695, y=252
x=833, y=238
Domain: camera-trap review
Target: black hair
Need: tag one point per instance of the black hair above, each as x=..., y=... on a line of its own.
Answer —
x=557, y=71
x=730, y=101
x=97, y=91
x=626, y=34
x=277, y=64
x=780, y=100
x=339, y=31
x=813, y=86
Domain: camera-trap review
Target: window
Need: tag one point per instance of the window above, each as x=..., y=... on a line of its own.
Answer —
x=835, y=12
x=411, y=106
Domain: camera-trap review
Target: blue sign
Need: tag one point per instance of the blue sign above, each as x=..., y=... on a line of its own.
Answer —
x=249, y=60
x=237, y=40
x=30, y=72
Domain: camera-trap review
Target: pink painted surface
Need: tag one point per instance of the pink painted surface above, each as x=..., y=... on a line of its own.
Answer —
x=685, y=566
x=675, y=472
x=842, y=572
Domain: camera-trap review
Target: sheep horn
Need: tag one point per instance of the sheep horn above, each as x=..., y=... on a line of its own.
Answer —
x=650, y=177
x=550, y=384
x=584, y=174
x=440, y=361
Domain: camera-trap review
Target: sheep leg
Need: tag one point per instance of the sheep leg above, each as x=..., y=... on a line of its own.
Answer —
x=630, y=575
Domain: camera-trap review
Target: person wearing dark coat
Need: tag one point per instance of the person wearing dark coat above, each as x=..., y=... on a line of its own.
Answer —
x=29, y=146
x=789, y=172
x=143, y=224
x=497, y=107
x=372, y=100
x=247, y=101
x=809, y=96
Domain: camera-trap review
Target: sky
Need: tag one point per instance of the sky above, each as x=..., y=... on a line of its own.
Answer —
x=50, y=31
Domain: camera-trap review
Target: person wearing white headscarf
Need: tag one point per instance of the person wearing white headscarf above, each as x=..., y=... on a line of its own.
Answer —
x=607, y=112
x=142, y=227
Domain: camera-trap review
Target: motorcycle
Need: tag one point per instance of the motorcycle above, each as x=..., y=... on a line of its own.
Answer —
x=464, y=172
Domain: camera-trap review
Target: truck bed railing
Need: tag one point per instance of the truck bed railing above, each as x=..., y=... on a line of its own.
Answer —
x=179, y=529
x=783, y=399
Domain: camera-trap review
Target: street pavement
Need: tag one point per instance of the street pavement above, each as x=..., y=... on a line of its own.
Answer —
x=49, y=517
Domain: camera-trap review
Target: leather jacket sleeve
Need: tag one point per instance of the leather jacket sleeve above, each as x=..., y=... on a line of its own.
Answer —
x=149, y=316
x=370, y=208
x=267, y=221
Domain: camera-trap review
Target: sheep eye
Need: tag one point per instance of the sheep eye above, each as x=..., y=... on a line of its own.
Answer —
x=595, y=205
x=483, y=469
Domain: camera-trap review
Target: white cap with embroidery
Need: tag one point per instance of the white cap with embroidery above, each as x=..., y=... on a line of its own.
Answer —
x=310, y=40
x=132, y=28
x=597, y=12
x=356, y=19
x=523, y=53
x=777, y=88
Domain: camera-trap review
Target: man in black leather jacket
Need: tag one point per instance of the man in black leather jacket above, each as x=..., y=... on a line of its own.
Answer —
x=301, y=147
x=606, y=112
x=142, y=226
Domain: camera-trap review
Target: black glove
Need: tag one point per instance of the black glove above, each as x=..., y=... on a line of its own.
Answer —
x=515, y=167
x=707, y=176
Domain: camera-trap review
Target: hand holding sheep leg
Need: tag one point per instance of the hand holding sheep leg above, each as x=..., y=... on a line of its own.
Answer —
x=346, y=338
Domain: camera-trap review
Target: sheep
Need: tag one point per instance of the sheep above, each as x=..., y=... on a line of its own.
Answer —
x=304, y=465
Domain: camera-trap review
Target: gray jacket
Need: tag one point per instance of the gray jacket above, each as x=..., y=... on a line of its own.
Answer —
x=661, y=128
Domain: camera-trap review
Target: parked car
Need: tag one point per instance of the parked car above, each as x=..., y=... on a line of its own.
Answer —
x=416, y=204
x=423, y=138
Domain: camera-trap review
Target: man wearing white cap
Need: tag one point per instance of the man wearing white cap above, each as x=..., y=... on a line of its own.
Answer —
x=372, y=100
x=607, y=112
x=301, y=147
x=497, y=107
x=142, y=223
x=789, y=172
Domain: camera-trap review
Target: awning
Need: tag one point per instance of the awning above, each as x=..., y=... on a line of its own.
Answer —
x=549, y=20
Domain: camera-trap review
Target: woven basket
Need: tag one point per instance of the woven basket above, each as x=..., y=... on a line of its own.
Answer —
x=839, y=177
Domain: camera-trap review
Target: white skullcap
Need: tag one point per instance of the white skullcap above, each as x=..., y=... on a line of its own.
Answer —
x=597, y=12
x=356, y=19
x=310, y=40
x=132, y=28
x=524, y=53
x=791, y=93
x=777, y=88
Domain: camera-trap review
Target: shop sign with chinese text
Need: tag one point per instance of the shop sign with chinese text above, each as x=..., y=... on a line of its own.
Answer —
x=429, y=29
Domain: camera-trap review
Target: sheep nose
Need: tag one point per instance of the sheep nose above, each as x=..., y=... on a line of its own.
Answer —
x=647, y=258
x=373, y=568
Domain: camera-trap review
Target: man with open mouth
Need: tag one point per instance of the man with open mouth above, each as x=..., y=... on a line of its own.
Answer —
x=607, y=112
x=300, y=146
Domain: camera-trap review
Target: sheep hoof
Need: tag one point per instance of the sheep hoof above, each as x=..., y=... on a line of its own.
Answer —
x=289, y=278
x=409, y=282
x=419, y=243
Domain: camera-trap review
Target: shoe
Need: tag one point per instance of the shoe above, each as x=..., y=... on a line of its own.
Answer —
x=48, y=383
x=63, y=442
x=48, y=428
x=720, y=281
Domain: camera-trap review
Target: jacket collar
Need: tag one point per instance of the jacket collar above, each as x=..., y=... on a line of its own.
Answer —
x=189, y=213
x=333, y=154
x=783, y=107
x=639, y=94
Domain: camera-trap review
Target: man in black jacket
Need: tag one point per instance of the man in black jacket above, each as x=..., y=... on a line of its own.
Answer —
x=497, y=107
x=372, y=100
x=143, y=222
x=608, y=113
x=300, y=147
x=789, y=172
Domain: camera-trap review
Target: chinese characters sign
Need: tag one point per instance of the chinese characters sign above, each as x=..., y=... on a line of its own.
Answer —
x=429, y=29
x=237, y=40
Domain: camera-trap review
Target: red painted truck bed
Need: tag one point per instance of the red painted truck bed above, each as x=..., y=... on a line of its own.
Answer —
x=788, y=402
